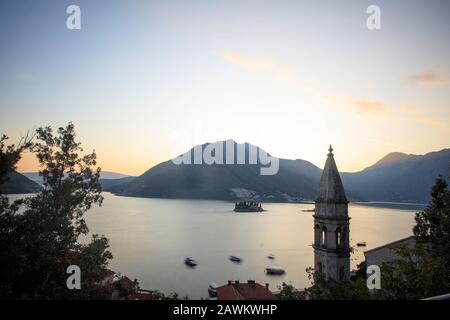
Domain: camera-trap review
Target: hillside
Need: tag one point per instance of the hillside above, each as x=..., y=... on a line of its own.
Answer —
x=18, y=183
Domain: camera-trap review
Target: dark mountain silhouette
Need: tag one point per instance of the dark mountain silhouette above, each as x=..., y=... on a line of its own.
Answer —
x=296, y=180
x=391, y=159
x=18, y=183
x=108, y=183
x=112, y=175
x=108, y=177
x=397, y=177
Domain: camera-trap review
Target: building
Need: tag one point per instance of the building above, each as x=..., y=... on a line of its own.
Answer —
x=331, y=225
x=244, y=291
x=386, y=253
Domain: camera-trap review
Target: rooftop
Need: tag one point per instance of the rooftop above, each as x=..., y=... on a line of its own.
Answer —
x=244, y=291
x=392, y=244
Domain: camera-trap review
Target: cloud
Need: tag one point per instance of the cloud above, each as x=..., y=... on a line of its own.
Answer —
x=360, y=106
x=367, y=106
x=428, y=79
x=417, y=116
x=251, y=64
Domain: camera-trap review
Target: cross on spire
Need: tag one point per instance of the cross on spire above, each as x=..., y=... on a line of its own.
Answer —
x=330, y=150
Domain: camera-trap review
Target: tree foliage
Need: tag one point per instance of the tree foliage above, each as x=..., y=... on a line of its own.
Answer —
x=424, y=270
x=433, y=223
x=11, y=154
x=329, y=289
x=40, y=235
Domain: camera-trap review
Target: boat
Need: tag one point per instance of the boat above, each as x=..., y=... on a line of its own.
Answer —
x=361, y=244
x=271, y=256
x=190, y=262
x=248, y=206
x=275, y=270
x=235, y=259
x=212, y=289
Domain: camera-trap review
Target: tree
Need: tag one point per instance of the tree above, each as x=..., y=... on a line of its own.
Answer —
x=289, y=292
x=9, y=157
x=328, y=289
x=424, y=270
x=416, y=274
x=11, y=154
x=40, y=240
x=433, y=223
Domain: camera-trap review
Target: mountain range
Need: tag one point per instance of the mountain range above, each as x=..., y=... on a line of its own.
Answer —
x=30, y=182
x=397, y=177
x=110, y=178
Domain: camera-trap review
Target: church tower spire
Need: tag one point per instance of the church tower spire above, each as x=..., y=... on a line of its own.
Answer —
x=331, y=225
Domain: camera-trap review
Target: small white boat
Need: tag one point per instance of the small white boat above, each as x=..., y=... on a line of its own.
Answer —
x=190, y=262
x=361, y=244
x=235, y=259
x=275, y=270
x=271, y=256
x=212, y=289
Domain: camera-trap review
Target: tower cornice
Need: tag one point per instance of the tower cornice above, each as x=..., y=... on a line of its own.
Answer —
x=335, y=218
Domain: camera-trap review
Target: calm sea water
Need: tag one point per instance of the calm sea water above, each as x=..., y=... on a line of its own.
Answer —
x=150, y=238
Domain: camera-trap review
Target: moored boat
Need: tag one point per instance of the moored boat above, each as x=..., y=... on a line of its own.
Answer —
x=212, y=289
x=275, y=270
x=361, y=244
x=190, y=261
x=271, y=256
x=235, y=259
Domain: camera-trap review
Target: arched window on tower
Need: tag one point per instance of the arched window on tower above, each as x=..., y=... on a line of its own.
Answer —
x=317, y=235
x=339, y=242
x=320, y=267
x=323, y=237
x=345, y=238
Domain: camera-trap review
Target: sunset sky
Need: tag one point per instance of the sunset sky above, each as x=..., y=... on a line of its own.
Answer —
x=145, y=80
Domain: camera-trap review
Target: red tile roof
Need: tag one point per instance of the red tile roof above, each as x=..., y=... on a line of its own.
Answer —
x=244, y=291
x=141, y=296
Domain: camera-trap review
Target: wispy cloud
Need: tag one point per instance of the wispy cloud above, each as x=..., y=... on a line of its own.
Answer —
x=361, y=106
x=418, y=116
x=367, y=106
x=251, y=64
x=357, y=105
x=428, y=79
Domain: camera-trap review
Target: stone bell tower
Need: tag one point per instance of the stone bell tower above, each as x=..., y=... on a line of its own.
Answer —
x=331, y=225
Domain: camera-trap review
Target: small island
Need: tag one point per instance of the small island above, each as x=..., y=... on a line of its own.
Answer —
x=248, y=207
